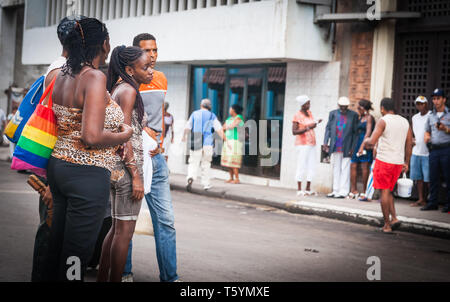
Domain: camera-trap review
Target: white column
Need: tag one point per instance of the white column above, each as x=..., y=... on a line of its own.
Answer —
x=181, y=5
x=173, y=6
x=49, y=13
x=105, y=9
x=63, y=8
x=382, y=59
x=53, y=12
x=118, y=10
x=190, y=4
x=98, y=9
x=111, y=9
x=58, y=11
x=140, y=8
x=132, y=8
x=229, y=2
x=125, y=8
x=208, y=3
x=79, y=5
x=165, y=6
x=156, y=7
x=86, y=5
x=92, y=8
x=148, y=7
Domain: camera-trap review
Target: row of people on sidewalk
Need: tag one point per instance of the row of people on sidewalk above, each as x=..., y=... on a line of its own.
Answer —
x=108, y=150
x=354, y=138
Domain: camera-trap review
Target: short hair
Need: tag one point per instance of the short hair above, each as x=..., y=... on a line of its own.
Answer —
x=388, y=104
x=237, y=108
x=206, y=103
x=142, y=37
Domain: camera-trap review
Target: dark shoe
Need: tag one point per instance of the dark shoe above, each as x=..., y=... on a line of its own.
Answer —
x=189, y=184
x=429, y=207
x=396, y=225
x=446, y=209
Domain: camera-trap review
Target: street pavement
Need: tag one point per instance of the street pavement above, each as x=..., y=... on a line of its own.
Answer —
x=223, y=240
x=433, y=223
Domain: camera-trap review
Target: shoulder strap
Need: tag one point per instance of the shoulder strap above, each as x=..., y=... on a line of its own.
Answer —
x=41, y=84
x=48, y=90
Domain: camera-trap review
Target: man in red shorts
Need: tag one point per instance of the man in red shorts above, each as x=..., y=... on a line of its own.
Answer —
x=394, y=137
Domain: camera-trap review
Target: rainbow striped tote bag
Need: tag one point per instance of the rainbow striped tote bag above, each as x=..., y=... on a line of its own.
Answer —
x=38, y=138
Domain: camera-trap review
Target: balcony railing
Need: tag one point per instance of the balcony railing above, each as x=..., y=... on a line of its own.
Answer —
x=116, y=9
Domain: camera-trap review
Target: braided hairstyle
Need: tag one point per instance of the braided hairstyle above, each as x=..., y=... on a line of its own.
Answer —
x=83, y=44
x=121, y=57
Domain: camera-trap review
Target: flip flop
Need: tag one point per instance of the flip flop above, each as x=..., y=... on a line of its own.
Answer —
x=415, y=204
x=382, y=231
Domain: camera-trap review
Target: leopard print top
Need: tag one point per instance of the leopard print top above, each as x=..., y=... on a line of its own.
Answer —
x=138, y=151
x=69, y=146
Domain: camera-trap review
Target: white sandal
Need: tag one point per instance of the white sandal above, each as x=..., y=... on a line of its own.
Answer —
x=352, y=196
x=300, y=193
x=311, y=193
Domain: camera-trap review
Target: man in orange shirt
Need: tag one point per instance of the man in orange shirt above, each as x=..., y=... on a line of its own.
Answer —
x=158, y=199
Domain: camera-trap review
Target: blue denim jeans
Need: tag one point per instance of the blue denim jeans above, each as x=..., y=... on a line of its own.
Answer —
x=159, y=202
x=439, y=165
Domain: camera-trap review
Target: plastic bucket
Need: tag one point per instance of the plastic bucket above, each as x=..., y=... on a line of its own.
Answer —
x=404, y=187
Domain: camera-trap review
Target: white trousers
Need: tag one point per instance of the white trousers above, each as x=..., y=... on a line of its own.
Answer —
x=200, y=159
x=306, y=162
x=341, y=173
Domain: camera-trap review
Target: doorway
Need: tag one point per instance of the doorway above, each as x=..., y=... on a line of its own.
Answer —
x=259, y=90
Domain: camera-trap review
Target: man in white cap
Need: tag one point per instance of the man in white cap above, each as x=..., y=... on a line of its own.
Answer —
x=420, y=170
x=303, y=125
x=341, y=136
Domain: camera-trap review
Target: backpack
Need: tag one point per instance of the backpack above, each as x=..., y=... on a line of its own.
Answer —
x=29, y=103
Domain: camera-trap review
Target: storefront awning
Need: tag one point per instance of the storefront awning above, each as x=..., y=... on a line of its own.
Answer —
x=216, y=76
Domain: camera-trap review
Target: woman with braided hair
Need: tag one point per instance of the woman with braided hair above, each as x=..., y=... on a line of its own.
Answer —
x=128, y=69
x=90, y=130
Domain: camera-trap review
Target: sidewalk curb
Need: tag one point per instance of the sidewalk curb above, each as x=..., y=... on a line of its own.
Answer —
x=411, y=225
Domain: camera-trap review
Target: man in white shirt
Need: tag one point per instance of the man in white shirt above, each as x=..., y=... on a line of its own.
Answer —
x=202, y=121
x=394, y=137
x=420, y=171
